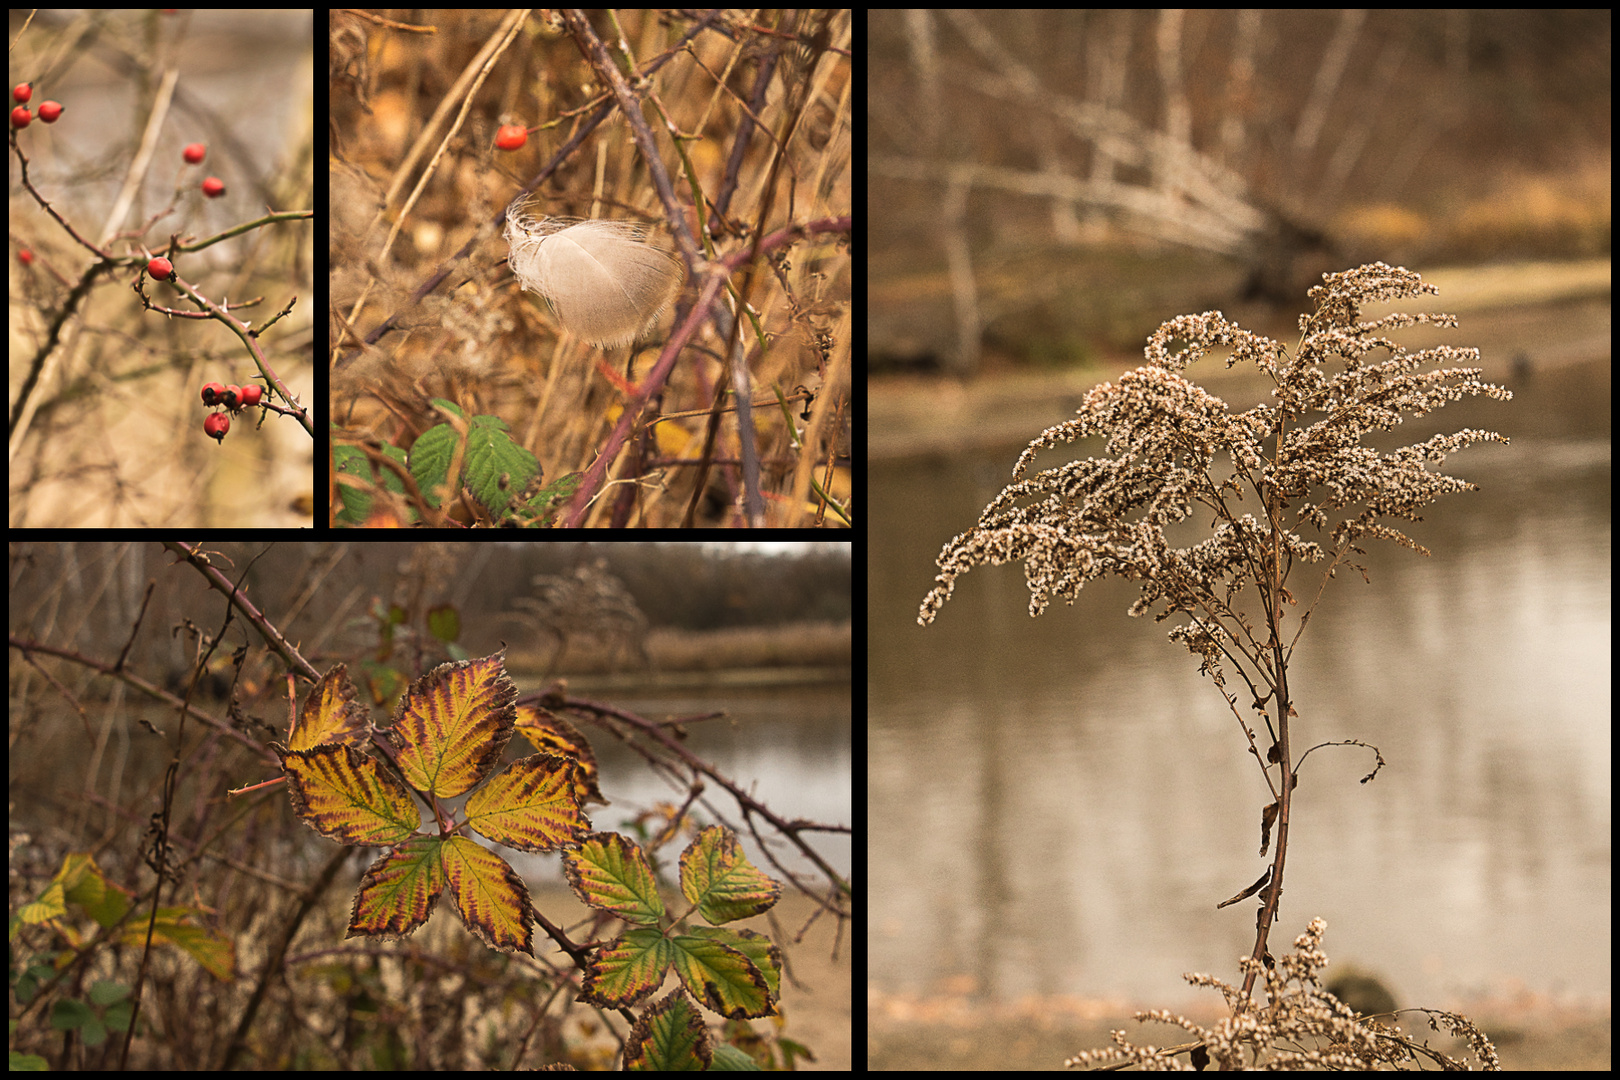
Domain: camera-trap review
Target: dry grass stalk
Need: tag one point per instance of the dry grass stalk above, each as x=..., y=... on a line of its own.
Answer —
x=1303, y=461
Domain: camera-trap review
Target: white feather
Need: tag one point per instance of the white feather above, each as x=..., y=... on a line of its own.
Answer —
x=606, y=283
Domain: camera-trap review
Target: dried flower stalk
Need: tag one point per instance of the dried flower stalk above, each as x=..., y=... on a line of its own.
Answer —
x=1175, y=447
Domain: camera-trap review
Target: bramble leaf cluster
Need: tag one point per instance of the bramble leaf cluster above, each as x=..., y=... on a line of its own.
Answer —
x=359, y=785
x=449, y=732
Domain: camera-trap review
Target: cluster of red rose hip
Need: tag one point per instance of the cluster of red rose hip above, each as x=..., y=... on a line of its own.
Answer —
x=21, y=117
x=213, y=186
x=234, y=398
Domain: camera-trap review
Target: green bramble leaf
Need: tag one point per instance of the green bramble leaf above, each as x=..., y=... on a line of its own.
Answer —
x=716, y=876
x=669, y=1037
x=724, y=977
x=735, y=973
x=611, y=874
x=627, y=969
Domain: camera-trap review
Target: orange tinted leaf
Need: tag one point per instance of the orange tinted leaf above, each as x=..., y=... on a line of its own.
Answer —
x=611, y=874
x=717, y=876
x=453, y=724
x=627, y=969
x=725, y=979
x=399, y=890
x=331, y=715
x=530, y=805
x=493, y=900
x=551, y=734
x=349, y=797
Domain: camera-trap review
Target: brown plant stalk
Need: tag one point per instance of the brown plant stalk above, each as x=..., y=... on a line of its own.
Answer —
x=1300, y=457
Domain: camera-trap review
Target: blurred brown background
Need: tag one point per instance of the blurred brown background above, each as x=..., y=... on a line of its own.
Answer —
x=1053, y=184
